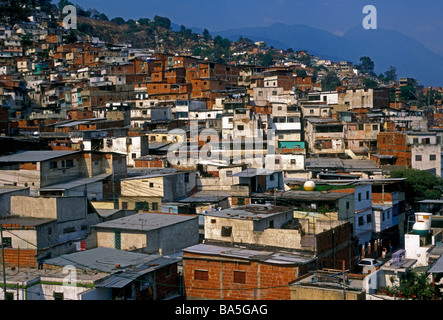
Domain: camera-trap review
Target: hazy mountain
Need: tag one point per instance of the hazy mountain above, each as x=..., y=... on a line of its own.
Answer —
x=385, y=47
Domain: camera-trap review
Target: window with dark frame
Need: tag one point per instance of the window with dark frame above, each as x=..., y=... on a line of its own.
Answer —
x=226, y=231
x=202, y=275
x=239, y=277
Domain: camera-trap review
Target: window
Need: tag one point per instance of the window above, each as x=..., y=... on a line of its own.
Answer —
x=367, y=195
x=383, y=216
x=374, y=127
x=277, y=161
x=7, y=242
x=53, y=165
x=359, y=197
x=418, y=157
x=168, y=272
x=292, y=161
x=239, y=277
x=69, y=230
x=240, y=127
x=124, y=205
x=347, y=205
x=117, y=240
x=151, y=185
x=201, y=275
x=134, y=156
x=360, y=221
x=415, y=140
x=155, y=206
x=142, y=205
x=369, y=218
x=58, y=295
x=69, y=163
x=226, y=231
x=229, y=173
x=311, y=111
x=432, y=157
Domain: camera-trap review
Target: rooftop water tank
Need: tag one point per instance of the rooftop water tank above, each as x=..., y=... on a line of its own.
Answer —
x=309, y=185
x=422, y=225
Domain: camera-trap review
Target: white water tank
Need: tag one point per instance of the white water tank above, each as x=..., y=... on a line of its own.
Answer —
x=309, y=185
x=422, y=225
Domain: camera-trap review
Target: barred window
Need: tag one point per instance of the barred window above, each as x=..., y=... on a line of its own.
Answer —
x=201, y=275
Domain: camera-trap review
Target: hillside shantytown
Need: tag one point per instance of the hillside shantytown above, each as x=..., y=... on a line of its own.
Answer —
x=200, y=168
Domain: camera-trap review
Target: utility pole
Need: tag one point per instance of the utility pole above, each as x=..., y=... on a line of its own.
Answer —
x=344, y=281
x=3, y=262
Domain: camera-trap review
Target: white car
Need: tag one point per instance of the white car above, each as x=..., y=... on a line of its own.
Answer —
x=369, y=262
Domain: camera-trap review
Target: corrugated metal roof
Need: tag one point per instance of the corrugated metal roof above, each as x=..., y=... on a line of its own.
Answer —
x=35, y=156
x=145, y=221
x=252, y=172
x=267, y=256
x=76, y=183
x=437, y=267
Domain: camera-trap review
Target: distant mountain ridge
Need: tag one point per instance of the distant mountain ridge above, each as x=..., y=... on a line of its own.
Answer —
x=385, y=47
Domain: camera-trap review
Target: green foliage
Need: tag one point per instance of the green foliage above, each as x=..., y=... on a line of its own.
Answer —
x=407, y=93
x=330, y=81
x=301, y=73
x=13, y=11
x=391, y=74
x=85, y=28
x=206, y=35
x=27, y=40
x=267, y=59
x=162, y=22
x=144, y=21
x=118, y=20
x=369, y=83
x=63, y=3
x=419, y=184
x=71, y=37
x=366, y=65
x=416, y=286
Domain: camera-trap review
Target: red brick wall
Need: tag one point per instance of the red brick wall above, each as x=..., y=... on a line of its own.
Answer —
x=269, y=281
x=23, y=258
x=394, y=143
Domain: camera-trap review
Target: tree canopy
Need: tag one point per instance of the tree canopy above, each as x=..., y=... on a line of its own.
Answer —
x=419, y=184
x=330, y=81
x=366, y=65
x=13, y=11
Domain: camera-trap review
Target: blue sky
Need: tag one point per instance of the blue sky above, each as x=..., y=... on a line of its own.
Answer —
x=420, y=19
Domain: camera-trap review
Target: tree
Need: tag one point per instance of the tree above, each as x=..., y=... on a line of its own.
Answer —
x=63, y=3
x=103, y=16
x=162, y=22
x=118, y=20
x=366, y=65
x=369, y=83
x=267, y=59
x=416, y=286
x=301, y=73
x=407, y=93
x=144, y=21
x=391, y=74
x=419, y=184
x=330, y=81
x=206, y=35
x=71, y=37
x=13, y=11
x=83, y=13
